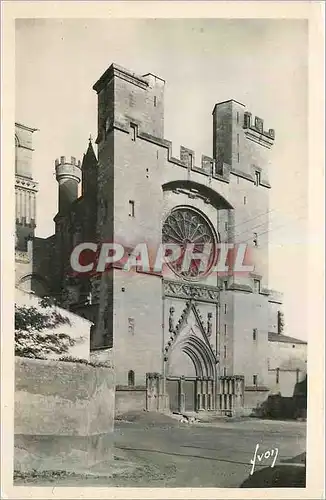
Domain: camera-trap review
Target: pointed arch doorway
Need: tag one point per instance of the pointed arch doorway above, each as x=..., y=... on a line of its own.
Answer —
x=191, y=376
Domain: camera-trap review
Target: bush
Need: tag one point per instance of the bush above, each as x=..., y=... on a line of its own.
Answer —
x=99, y=364
x=31, y=339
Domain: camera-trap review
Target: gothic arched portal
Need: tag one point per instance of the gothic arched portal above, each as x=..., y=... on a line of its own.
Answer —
x=191, y=375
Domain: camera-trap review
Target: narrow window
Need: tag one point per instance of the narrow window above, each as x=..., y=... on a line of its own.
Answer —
x=131, y=377
x=225, y=329
x=277, y=375
x=238, y=156
x=226, y=226
x=191, y=158
x=280, y=322
x=133, y=133
x=237, y=116
x=131, y=208
x=225, y=308
x=257, y=286
x=245, y=200
x=254, y=334
x=224, y=351
x=297, y=374
x=224, y=372
x=155, y=101
x=255, y=240
x=257, y=178
x=238, y=139
x=131, y=326
x=225, y=285
x=254, y=379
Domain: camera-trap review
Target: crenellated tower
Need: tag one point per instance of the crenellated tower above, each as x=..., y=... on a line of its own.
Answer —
x=68, y=175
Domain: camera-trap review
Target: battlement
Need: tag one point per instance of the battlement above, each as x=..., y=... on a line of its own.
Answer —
x=135, y=105
x=257, y=125
x=65, y=169
x=275, y=296
x=63, y=161
x=208, y=165
x=125, y=74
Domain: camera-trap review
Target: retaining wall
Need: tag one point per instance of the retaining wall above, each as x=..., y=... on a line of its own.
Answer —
x=64, y=415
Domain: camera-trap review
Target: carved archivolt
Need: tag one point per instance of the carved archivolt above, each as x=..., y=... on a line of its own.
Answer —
x=175, y=330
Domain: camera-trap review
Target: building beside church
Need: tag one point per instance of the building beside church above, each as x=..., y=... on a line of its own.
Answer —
x=193, y=340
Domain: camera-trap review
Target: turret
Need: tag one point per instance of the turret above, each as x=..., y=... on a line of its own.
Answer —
x=68, y=175
x=89, y=170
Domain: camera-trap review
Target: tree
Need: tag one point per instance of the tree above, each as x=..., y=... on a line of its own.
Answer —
x=280, y=322
x=34, y=335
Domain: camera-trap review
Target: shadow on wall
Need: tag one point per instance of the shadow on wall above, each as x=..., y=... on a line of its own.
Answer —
x=280, y=407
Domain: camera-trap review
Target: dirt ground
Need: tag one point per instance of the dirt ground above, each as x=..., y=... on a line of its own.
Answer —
x=154, y=450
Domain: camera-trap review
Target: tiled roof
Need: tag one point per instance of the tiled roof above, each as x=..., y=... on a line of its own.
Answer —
x=278, y=337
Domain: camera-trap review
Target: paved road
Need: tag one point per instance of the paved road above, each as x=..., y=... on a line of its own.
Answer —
x=204, y=455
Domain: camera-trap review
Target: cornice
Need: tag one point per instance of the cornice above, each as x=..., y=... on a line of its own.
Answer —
x=26, y=183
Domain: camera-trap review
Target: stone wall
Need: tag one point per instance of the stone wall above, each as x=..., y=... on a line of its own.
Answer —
x=130, y=399
x=253, y=398
x=64, y=415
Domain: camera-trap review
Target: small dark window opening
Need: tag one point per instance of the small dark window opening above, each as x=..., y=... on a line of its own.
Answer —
x=255, y=240
x=191, y=160
x=131, y=377
x=257, y=178
x=277, y=375
x=155, y=101
x=254, y=334
x=131, y=208
x=254, y=379
x=257, y=286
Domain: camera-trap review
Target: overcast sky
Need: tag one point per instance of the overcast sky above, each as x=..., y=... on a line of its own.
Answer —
x=262, y=64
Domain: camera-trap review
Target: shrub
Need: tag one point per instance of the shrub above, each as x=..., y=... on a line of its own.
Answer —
x=34, y=337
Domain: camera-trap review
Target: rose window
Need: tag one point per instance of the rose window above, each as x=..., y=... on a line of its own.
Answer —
x=189, y=229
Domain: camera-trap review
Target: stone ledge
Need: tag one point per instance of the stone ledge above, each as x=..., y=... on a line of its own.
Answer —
x=131, y=388
x=258, y=388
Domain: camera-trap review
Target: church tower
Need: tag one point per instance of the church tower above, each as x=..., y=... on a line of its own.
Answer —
x=25, y=187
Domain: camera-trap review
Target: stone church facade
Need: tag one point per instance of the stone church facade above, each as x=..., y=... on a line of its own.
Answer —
x=196, y=340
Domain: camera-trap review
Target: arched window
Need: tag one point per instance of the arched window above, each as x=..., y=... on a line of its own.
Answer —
x=131, y=377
